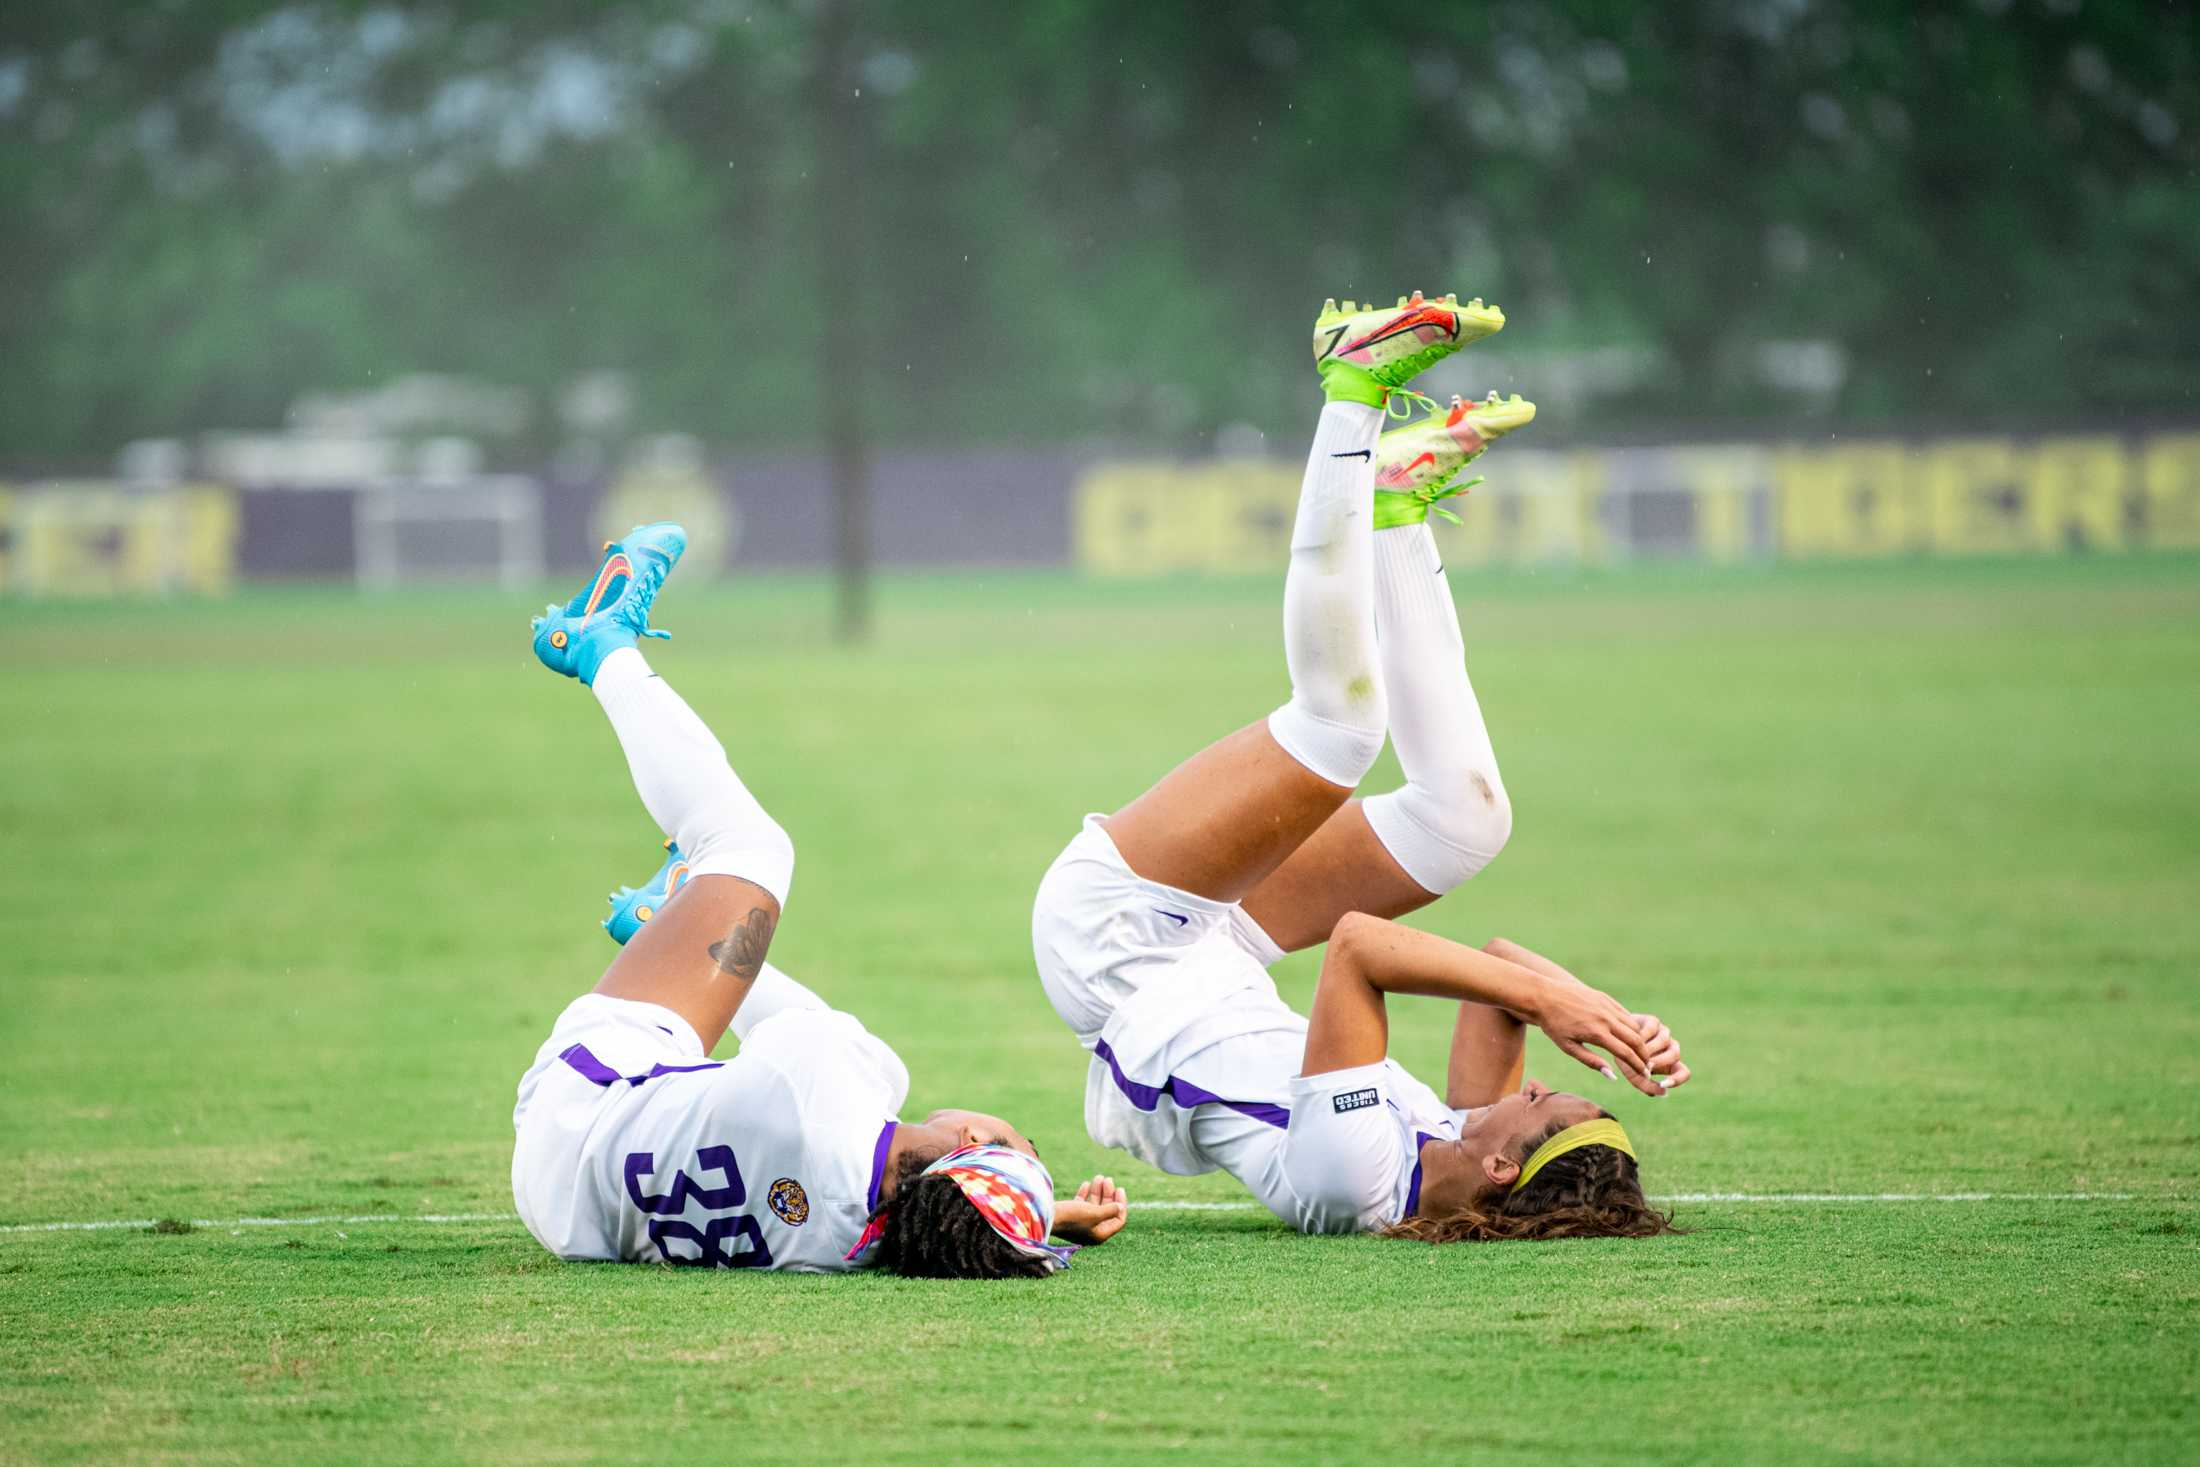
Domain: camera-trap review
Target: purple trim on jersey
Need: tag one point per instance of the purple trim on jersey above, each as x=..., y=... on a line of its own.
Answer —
x=591, y=1069
x=878, y=1165
x=1184, y=1093
x=596, y=1072
x=656, y=1070
x=1413, y=1188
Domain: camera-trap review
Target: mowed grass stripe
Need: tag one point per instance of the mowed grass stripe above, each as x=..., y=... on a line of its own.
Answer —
x=1905, y=855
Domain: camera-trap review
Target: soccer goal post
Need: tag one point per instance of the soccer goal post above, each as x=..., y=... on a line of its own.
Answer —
x=482, y=528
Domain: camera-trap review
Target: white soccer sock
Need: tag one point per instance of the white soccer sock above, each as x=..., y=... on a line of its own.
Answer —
x=1334, y=721
x=681, y=773
x=773, y=992
x=1452, y=817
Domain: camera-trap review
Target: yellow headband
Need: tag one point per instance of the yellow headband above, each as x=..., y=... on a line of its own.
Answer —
x=1603, y=1131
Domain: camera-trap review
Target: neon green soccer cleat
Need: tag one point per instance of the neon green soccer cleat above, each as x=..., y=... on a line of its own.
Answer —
x=1417, y=465
x=1362, y=354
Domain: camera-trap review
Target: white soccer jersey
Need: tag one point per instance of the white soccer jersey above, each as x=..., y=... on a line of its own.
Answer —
x=1195, y=1058
x=633, y=1145
x=1332, y=1153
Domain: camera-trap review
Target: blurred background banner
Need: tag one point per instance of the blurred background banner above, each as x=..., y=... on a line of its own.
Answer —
x=391, y=291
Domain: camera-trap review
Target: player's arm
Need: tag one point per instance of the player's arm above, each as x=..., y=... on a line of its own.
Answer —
x=1369, y=957
x=1489, y=1052
x=1096, y=1214
x=1664, y=1050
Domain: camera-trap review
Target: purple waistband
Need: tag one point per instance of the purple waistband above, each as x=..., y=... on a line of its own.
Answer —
x=1184, y=1093
x=596, y=1072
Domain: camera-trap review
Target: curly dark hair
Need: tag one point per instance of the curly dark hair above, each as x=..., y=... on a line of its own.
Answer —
x=933, y=1232
x=1590, y=1192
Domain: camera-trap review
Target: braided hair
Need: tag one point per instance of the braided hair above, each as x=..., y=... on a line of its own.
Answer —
x=932, y=1231
x=1590, y=1192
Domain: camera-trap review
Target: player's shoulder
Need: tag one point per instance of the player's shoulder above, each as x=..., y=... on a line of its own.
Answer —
x=1419, y=1104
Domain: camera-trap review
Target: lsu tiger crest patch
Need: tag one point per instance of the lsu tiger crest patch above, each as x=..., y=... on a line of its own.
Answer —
x=790, y=1202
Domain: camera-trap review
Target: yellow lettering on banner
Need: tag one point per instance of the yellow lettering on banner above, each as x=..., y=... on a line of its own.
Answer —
x=1853, y=499
x=1975, y=497
x=54, y=553
x=1721, y=482
x=1149, y=519
x=1528, y=514
x=671, y=486
x=1256, y=501
x=2169, y=478
x=1115, y=512
x=1722, y=523
x=1483, y=534
x=1965, y=496
x=2075, y=493
x=1590, y=478
x=207, y=556
x=91, y=539
x=146, y=525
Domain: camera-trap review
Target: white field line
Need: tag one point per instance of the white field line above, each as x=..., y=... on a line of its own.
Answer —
x=1786, y=1197
x=363, y=1219
x=211, y=1224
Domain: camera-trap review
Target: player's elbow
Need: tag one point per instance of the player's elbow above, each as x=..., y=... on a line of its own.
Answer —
x=1350, y=940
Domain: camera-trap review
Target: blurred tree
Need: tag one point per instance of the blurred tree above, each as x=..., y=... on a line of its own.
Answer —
x=1089, y=219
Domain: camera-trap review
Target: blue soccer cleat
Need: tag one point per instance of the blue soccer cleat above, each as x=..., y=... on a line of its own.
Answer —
x=631, y=906
x=614, y=611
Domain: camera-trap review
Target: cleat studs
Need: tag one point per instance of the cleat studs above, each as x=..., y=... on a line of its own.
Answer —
x=606, y=548
x=1418, y=299
x=1476, y=304
x=1350, y=306
x=1493, y=397
x=1329, y=306
x=558, y=639
x=1451, y=297
x=1401, y=303
x=1458, y=401
x=670, y=841
x=643, y=914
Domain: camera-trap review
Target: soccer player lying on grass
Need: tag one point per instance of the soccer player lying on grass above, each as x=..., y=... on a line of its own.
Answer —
x=1154, y=929
x=633, y=1144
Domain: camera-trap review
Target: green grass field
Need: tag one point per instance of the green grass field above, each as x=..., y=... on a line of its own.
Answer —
x=1909, y=857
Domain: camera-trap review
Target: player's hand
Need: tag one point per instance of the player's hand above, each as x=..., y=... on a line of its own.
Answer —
x=1665, y=1051
x=1576, y=1016
x=1096, y=1214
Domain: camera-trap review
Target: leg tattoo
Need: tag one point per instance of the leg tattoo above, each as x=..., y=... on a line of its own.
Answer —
x=740, y=953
